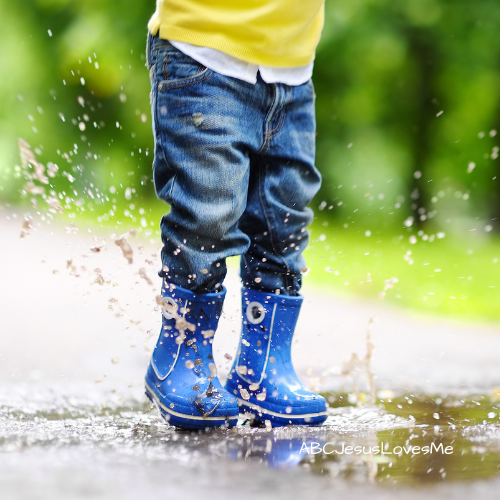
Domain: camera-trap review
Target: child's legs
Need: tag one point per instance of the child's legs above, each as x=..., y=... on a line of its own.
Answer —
x=283, y=181
x=203, y=126
x=217, y=140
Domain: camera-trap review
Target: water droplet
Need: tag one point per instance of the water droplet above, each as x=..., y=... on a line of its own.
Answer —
x=245, y=394
x=409, y=221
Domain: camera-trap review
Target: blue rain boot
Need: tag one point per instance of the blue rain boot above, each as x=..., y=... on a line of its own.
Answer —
x=181, y=379
x=262, y=377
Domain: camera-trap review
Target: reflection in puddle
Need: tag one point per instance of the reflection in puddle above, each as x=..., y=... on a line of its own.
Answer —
x=451, y=438
x=384, y=444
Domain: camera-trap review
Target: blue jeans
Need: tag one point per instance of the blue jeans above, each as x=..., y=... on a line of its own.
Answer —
x=235, y=162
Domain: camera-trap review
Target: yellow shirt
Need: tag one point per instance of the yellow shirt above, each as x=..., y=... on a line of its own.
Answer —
x=279, y=33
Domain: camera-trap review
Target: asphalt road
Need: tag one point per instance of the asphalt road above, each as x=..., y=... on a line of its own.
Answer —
x=78, y=323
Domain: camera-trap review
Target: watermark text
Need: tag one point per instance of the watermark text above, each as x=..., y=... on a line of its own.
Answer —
x=314, y=448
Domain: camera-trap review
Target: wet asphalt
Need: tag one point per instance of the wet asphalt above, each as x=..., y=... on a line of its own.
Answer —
x=78, y=325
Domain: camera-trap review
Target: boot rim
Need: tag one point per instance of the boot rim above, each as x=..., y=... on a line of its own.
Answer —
x=274, y=298
x=180, y=292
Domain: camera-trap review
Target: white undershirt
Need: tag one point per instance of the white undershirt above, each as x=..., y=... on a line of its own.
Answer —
x=232, y=66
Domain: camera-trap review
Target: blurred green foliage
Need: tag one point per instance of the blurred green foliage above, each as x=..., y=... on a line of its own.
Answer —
x=407, y=102
x=75, y=87
x=408, y=108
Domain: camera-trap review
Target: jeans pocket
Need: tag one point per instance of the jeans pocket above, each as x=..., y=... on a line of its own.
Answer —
x=179, y=70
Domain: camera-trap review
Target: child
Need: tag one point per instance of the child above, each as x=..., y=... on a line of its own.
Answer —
x=234, y=130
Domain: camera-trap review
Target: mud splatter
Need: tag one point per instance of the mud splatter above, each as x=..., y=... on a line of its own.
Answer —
x=27, y=226
x=197, y=119
x=144, y=276
x=125, y=247
x=356, y=367
x=97, y=248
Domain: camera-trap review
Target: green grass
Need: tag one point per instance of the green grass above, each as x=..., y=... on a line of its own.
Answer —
x=445, y=276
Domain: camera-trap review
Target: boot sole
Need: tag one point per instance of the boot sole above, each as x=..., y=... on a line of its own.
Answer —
x=184, y=421
x=281, y=419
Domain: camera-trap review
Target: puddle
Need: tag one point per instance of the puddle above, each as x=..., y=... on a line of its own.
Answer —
x=462, y=433
x=451, y=438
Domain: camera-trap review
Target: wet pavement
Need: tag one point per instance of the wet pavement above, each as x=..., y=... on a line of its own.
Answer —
x=78, y=326
x=60, y=446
